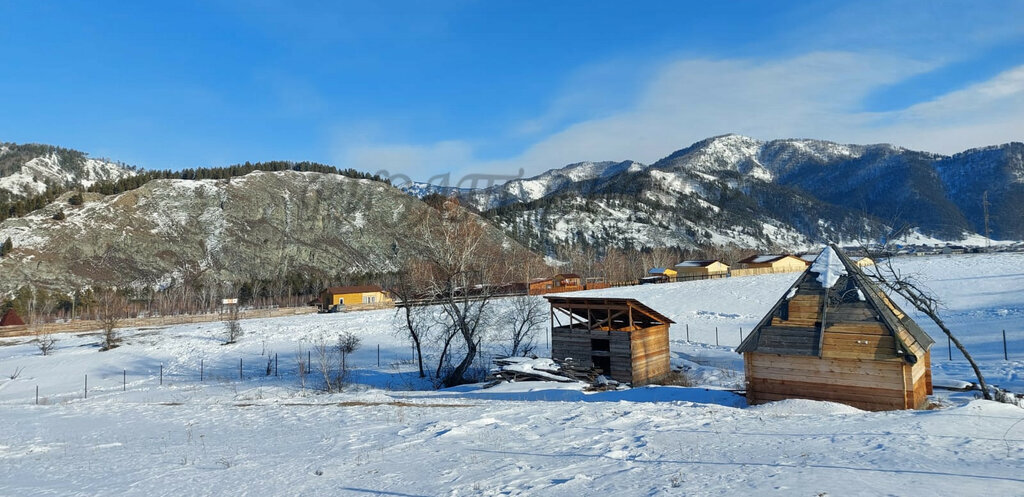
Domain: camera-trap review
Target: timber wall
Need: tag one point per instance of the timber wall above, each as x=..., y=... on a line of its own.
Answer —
x=874, y=385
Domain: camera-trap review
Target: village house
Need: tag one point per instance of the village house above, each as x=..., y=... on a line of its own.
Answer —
x=348, y=296
x=768, y=264
x=702, y=269
x=568, y=282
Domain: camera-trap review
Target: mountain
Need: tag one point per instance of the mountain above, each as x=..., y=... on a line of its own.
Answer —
x=27, y=170
x=172, y=232
x=780, y=193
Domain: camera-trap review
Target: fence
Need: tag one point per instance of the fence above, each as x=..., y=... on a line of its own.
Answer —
x=84, y=325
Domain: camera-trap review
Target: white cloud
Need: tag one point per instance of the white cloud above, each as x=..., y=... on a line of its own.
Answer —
x=817, y=95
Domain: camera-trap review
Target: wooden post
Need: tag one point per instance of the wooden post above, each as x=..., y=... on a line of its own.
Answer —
x=687, y=332
x=275, y=363
x=239, y=369
x=949, y=348
x=87, y=386
x=37, y=394
x=741, y=334
x=161, y=374
x=716, y=336
x=1006, y=356
x=378, y=355
x=201, y=370
x=124, y=381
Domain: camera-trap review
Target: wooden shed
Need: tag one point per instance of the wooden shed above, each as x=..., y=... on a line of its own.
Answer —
x=540, y=286
x=568, y=282
x=624, y=338
x=11, y=318
x=702, y=269
x=836, y=336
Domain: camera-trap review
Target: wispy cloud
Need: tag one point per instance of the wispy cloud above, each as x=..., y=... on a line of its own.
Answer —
x=815, y=95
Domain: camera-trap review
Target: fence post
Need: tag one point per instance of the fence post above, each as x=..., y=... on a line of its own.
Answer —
x=378, y=353
x=37, y=394
x=1006, y=355
x=949, y=347
x=161, y=374
x=687, y=332
x=716, y=336
x=201, y=370
x=124, y=381
x=275, y=363
x=741, y=334
x=239, y=369
x=87, y=386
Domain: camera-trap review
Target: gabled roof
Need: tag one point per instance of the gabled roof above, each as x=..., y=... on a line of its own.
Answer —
x=659, y=270
x=335, y=290
x=11, y=318
x=831, y=265
x=764, y=258
x=702, y=263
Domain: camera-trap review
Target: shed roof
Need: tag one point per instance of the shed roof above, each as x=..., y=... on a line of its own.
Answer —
x=334, y=290
x=581, y=305
x=828, y=267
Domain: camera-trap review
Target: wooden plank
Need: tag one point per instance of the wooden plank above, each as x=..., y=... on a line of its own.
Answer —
x=887, y=399
x=824, y=364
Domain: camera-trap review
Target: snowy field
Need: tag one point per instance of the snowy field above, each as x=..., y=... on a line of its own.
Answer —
x=390, y=434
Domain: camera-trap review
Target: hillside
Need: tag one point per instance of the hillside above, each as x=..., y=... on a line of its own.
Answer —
x=261, y=226
x=28, y=169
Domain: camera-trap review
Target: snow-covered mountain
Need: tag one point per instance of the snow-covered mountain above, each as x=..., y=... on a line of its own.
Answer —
x=27, y=170
x=780, y=193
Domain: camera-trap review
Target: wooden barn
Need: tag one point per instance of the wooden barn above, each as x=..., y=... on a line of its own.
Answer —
x=568, y=282
x=703, y=269
x=624, y=338
x=11, y=318
x=836, y=336
x=773, y=263
x=368, y=295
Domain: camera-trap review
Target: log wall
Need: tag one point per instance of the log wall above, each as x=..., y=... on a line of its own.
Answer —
x=874, y=385
x=638, y=357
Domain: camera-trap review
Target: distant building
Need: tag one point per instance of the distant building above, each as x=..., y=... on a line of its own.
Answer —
x=768, y=264
x=668, y=273
x=11, y=318
x=354, y=295
x=540, y=286
x=569, y=280
x=702, y=269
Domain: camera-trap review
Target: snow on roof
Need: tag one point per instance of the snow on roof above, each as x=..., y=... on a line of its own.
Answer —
x=703, y=263
x=829, y=267
x=658, y=270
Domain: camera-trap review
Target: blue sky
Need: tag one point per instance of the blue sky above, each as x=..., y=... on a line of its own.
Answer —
x=426, y=88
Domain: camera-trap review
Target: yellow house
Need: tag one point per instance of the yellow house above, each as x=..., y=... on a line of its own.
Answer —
x=769, y=264
x=353, y=295
x=662, y=271
x=702, y=269
x=863, y=261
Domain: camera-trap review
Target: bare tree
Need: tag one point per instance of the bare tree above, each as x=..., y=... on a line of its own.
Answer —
x=409, y=286
x=325, y=363
x=929, y=305
x=347, y=344
x=463, y=267
x=232, y=326
x=524, y=315
x=109, y=307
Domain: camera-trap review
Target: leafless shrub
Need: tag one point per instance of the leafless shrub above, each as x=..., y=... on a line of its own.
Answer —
x=232, y=326
x=110, y=306
x=46, y=343
x=678, y=378
x=16, y=373
x=300, y=360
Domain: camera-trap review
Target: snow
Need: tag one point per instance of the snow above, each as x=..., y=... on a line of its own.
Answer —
x=390, y=434
x=829, y=267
